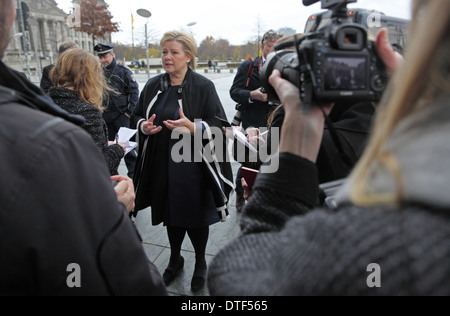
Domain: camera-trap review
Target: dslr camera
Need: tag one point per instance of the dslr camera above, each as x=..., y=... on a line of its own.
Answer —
x=334, y=63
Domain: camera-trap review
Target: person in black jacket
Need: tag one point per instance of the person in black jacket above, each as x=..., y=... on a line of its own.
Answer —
x=343, y=142
x=122, y=99
x=351, y=125
x=188, y=194
x=62, y=230
x=46, y=82
x=390, y=234
x=252, y=101
x=79, y=89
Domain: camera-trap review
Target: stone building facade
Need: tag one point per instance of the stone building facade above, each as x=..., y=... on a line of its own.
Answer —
x=48, y=29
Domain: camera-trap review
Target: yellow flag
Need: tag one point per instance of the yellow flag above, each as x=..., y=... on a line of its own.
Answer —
x=132, y=20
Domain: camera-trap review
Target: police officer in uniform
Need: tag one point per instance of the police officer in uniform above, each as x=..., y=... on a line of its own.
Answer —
x=119, y=107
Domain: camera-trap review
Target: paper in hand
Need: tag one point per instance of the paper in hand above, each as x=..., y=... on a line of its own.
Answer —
x=243, y=139
x=125, y=134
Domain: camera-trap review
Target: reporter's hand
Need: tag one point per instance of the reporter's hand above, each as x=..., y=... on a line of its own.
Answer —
x=228, y=131
x=124, y=147
x=252, y=132
x=392, y=59
x=302, y=133
x=125, y=192
x=247, y=191
x=253, y=137
x=258, y=95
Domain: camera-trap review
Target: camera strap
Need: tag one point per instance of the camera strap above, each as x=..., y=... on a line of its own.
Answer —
x=248, y=79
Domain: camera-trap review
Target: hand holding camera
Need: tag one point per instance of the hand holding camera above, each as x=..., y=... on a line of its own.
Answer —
x=258, y=95
x=334, y=63
x=302, y=133
x=124, y=189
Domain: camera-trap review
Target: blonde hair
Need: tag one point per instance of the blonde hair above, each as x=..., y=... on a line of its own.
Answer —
x=188, y=42
x=422, y=79
x=81, y=71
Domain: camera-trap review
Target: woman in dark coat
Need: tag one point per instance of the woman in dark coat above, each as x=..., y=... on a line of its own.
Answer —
x=190, y=195
x=79, y=87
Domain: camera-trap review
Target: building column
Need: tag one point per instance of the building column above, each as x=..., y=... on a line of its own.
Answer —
x=47, y=36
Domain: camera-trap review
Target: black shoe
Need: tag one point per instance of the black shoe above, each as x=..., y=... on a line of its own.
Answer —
x=240, y=203
x=172, y=273
x=198, y=280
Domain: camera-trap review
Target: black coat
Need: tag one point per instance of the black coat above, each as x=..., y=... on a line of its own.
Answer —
x=58, y=206
x=95, y=125
x=350, y=128
x=46, y=83
x=253, y=114
x=121, y=79
x=200, y=102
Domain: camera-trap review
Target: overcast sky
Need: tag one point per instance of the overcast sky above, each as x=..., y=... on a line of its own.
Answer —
x=234, y=20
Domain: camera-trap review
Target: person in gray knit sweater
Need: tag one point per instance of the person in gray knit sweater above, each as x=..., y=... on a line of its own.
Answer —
x=79, y=89
x=391, y=232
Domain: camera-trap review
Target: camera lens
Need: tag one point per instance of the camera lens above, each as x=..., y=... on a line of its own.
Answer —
x=286, y=61
x=237, y=119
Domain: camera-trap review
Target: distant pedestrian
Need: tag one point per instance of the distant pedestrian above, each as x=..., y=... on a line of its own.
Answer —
x=215, y=64
x=210, y=64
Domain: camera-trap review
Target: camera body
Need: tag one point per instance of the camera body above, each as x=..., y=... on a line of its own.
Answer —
x=334, y=63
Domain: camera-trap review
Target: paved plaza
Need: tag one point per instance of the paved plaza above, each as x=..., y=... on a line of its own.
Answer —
x=155, y=240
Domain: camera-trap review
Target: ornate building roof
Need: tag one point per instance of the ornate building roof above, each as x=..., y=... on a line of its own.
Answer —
x=49, y=7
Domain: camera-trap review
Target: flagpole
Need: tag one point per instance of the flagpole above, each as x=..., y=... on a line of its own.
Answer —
x=132, y=34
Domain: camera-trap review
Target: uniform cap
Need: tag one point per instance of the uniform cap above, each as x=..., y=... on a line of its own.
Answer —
x=102, y=49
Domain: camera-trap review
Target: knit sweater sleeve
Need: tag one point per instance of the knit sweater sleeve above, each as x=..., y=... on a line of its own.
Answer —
x=247, y=266
x=113, y=155
x=94, y=125
x=287, y=249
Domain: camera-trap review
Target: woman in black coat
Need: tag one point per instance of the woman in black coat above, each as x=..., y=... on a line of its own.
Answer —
x=79, y=87
x=190, y=195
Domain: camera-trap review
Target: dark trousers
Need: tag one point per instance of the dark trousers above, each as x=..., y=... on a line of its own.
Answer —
x=113, y=129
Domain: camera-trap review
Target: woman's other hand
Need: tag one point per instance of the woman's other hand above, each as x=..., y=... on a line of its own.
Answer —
x=148, y=128
x=183, y=123
x=125, y=192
